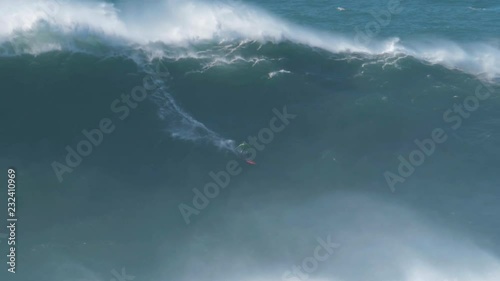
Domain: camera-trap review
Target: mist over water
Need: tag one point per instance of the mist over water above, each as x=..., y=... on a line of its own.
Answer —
x=180, y=83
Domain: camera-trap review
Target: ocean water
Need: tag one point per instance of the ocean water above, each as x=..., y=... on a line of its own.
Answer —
x=374, y=126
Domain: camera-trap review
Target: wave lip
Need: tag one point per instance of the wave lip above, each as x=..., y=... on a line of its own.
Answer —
x=171, y=22
x=40, y=26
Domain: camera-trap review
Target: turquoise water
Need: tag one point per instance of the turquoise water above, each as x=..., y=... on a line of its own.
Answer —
x=465, y=21
x=390, y=149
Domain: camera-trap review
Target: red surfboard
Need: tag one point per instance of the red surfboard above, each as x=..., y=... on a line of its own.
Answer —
x=250, y=162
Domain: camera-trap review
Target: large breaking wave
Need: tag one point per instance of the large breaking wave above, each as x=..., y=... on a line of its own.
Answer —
x=228, y=41
x=40, y=26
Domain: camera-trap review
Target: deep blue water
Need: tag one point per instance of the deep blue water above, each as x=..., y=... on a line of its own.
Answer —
x=390, y=149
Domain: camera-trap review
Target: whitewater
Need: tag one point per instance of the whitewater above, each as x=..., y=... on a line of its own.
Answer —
x=366, y=81
x=35, y=27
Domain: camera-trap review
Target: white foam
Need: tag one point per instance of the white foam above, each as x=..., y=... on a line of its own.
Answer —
x=380, y=240
x=38, y=26
x=475, y=58
x=281, y=71
x=54, y=25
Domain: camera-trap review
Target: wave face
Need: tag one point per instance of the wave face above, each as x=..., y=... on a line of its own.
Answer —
x=391, y=146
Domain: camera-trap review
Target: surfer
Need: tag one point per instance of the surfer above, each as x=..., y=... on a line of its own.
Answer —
x=243, y=151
